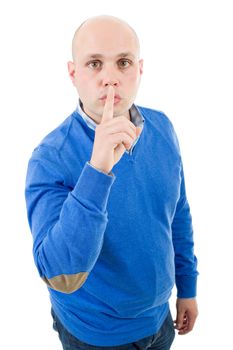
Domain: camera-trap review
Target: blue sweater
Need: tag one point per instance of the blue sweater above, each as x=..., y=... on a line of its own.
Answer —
x=111, y=247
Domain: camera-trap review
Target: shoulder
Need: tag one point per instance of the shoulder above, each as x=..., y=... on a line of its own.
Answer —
x=159, y=121
x=156, y=117
x=53, y=145
x=59, y=135
x=48, y=156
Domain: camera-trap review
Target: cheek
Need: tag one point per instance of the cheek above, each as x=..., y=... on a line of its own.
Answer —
x=83, y=76
x=133, y=77
x=80, y=78
x=82, y=83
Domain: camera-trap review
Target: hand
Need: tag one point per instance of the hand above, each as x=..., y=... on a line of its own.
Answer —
x=112, y=137
x=187, y=313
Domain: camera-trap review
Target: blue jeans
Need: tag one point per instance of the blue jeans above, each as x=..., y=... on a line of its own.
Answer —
x=162, y=340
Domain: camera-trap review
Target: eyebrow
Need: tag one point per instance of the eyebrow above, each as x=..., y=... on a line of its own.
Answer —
x=122, y=54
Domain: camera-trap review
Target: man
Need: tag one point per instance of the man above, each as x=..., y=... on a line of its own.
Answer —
x=107, y=206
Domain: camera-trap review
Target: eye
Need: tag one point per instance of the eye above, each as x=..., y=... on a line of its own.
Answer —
x=94, y=64
x=123, y=63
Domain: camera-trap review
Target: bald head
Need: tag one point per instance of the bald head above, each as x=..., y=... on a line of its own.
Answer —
x=105, y=26
x=105, y=52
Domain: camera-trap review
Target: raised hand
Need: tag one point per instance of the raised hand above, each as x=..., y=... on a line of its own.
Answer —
x=112, y=136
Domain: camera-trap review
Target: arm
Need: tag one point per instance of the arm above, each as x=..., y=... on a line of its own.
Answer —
x=185, y=263
x=67, y=225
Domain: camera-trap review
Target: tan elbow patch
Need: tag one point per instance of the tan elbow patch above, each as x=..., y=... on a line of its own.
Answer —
x=66, y=283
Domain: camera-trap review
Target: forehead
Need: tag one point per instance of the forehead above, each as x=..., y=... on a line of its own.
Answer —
x=105, y=38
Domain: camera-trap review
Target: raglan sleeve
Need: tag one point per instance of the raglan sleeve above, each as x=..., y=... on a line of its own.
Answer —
x=67, y=223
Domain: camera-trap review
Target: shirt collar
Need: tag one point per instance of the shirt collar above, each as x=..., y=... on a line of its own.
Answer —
x=135, y=116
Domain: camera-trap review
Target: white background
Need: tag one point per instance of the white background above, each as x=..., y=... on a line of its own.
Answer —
x=187, y=48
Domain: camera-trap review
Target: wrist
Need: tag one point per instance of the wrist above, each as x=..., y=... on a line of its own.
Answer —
x=99, y=168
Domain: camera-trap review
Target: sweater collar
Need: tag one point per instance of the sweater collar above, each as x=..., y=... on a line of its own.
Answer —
x=135, y=116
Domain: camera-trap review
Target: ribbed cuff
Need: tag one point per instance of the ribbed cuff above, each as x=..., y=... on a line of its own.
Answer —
x=94, y=186
x=110, y=174
x=186, y=286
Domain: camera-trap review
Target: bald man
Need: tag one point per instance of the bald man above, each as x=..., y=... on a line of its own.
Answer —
x=107, y=206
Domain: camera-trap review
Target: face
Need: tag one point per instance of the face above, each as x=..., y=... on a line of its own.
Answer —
x=106, y=53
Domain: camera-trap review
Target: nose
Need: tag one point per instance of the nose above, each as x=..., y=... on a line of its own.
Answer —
x=110, y=82
x=110, y=77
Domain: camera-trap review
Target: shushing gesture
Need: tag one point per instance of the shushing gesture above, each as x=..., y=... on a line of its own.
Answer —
x=112, y=136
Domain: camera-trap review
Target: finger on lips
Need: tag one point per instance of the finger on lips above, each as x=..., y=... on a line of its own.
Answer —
x=109, y=103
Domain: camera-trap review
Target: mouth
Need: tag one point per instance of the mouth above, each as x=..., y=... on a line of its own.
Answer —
x=117, y=98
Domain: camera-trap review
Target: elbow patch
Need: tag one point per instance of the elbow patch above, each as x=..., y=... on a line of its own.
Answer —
x=66, y=283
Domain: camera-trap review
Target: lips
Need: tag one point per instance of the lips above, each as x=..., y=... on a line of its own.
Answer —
x=116, y=97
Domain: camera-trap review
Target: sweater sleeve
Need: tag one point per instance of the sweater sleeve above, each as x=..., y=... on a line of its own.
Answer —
x=67, y=224
x=185, y=260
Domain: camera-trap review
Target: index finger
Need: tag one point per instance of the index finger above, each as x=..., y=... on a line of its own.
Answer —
x=109, y=103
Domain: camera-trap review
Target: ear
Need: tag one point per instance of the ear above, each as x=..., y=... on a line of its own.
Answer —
x=71, y=70
x=141, y=66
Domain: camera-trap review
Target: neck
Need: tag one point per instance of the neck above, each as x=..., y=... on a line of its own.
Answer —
x=97, y=119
